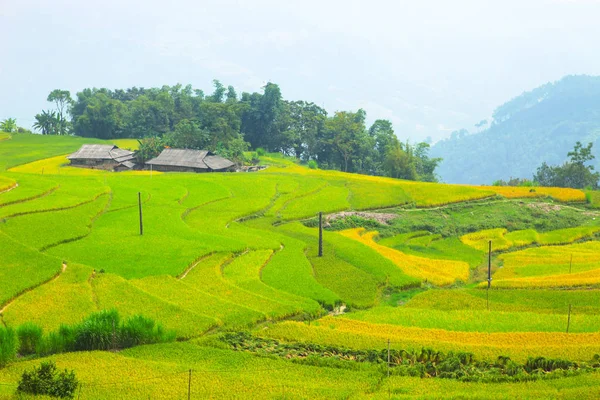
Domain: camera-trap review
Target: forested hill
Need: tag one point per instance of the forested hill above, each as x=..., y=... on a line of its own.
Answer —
x=537, y=126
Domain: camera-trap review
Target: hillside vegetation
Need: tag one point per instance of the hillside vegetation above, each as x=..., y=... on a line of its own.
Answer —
x=226, y=281
x=535, y=127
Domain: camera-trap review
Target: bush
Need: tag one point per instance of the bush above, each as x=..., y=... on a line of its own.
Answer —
x=30, y=338
x=8, y=345
x=58, y=342
x=260, y=151
x=139, y=330
x=45, y=380
x=312, y=164
x=99, y=331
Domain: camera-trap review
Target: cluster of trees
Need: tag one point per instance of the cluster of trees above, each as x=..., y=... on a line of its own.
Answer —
x=229, y=124
x=55, y=122
x=575, y=173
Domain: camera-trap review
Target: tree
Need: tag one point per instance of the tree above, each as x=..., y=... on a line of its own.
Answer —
x=424, y=165
x=63, y=100
x=149, y=148
x=46, y=380
x=9, y=125
x=262, y=119
x=398, y=163
x=100, y=115
x=188, y=135
x=346, y=132
x=304, y=123
x=46, y=122
x=573, y=174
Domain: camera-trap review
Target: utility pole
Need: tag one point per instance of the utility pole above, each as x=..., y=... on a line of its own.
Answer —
x=190, y=385
x=141, y=219
x=320, y=234
x=569, y=319
x=388, y=362
x=571, y=263
x=489, y=279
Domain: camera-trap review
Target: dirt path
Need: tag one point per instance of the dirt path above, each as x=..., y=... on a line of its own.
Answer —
x=16, y=185
x=62, y=271
x=193, y=265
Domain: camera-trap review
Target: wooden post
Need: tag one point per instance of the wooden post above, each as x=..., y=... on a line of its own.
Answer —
x=190, y=385
x=569, y=319
x=388, y=363
x=571, y=263
x=490, y=264
x=320, y=234
x=141, y=219
x=489, y=278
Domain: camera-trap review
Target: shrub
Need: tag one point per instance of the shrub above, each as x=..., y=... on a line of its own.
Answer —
x=260, y=151
x=312, y=164
x=58, y=342
x=30, y=337
x=45, y=380
x=8, y=345
x=99, y=331
x=139, y=330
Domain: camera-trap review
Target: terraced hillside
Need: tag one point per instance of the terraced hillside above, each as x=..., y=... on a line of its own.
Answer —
x=229, y=264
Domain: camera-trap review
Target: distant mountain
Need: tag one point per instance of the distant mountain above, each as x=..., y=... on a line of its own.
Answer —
x=540, y=125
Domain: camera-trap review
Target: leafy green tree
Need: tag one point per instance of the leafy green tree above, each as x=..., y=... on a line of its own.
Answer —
x=424, y=165
x=263, y=119
x=100, y=115
x=63, y=100
x=46, y=380
x=9, y=125
x=574, y=173
x=304, y=124
x=46, y=122
x=398, y=163
x=346, y=133
x=188, y=135
x=149, y=148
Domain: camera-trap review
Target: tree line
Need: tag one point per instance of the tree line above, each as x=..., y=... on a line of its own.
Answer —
x=576, y=173
x=230, y=124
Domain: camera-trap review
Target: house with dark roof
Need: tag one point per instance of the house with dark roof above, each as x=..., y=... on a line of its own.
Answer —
x=185, y=160
x=103, y=156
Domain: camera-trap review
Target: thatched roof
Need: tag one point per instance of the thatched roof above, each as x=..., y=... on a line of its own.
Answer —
x=199, y=159
x=102, y=152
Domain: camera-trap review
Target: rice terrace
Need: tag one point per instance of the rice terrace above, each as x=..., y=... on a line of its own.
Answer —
x=224, y=295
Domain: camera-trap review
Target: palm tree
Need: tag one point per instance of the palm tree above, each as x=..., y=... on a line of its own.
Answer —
x=46, y=122
x=9, y=125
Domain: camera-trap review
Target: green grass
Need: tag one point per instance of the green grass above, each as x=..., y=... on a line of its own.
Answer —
x=54, y=227
x=289, y=270
x=245, y=271
x=66, y=300
x=362, y=257
x=368, y=195
x=469, y=320
x=22, y=268
x=518, y=300
x=207, y=276
x=329, y=199
x=111, y=291
x=224, y=251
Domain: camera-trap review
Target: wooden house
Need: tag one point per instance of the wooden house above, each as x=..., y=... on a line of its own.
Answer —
x=103, y=156
x=185, y=160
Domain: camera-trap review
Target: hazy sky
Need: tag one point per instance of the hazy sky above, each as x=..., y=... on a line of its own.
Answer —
x=429, y=66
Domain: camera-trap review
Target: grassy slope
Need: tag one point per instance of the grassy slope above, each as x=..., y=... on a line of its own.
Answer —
x=239, y=273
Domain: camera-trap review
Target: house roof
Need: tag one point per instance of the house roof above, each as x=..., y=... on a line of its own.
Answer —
x=200, y=159
x=102, y=152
